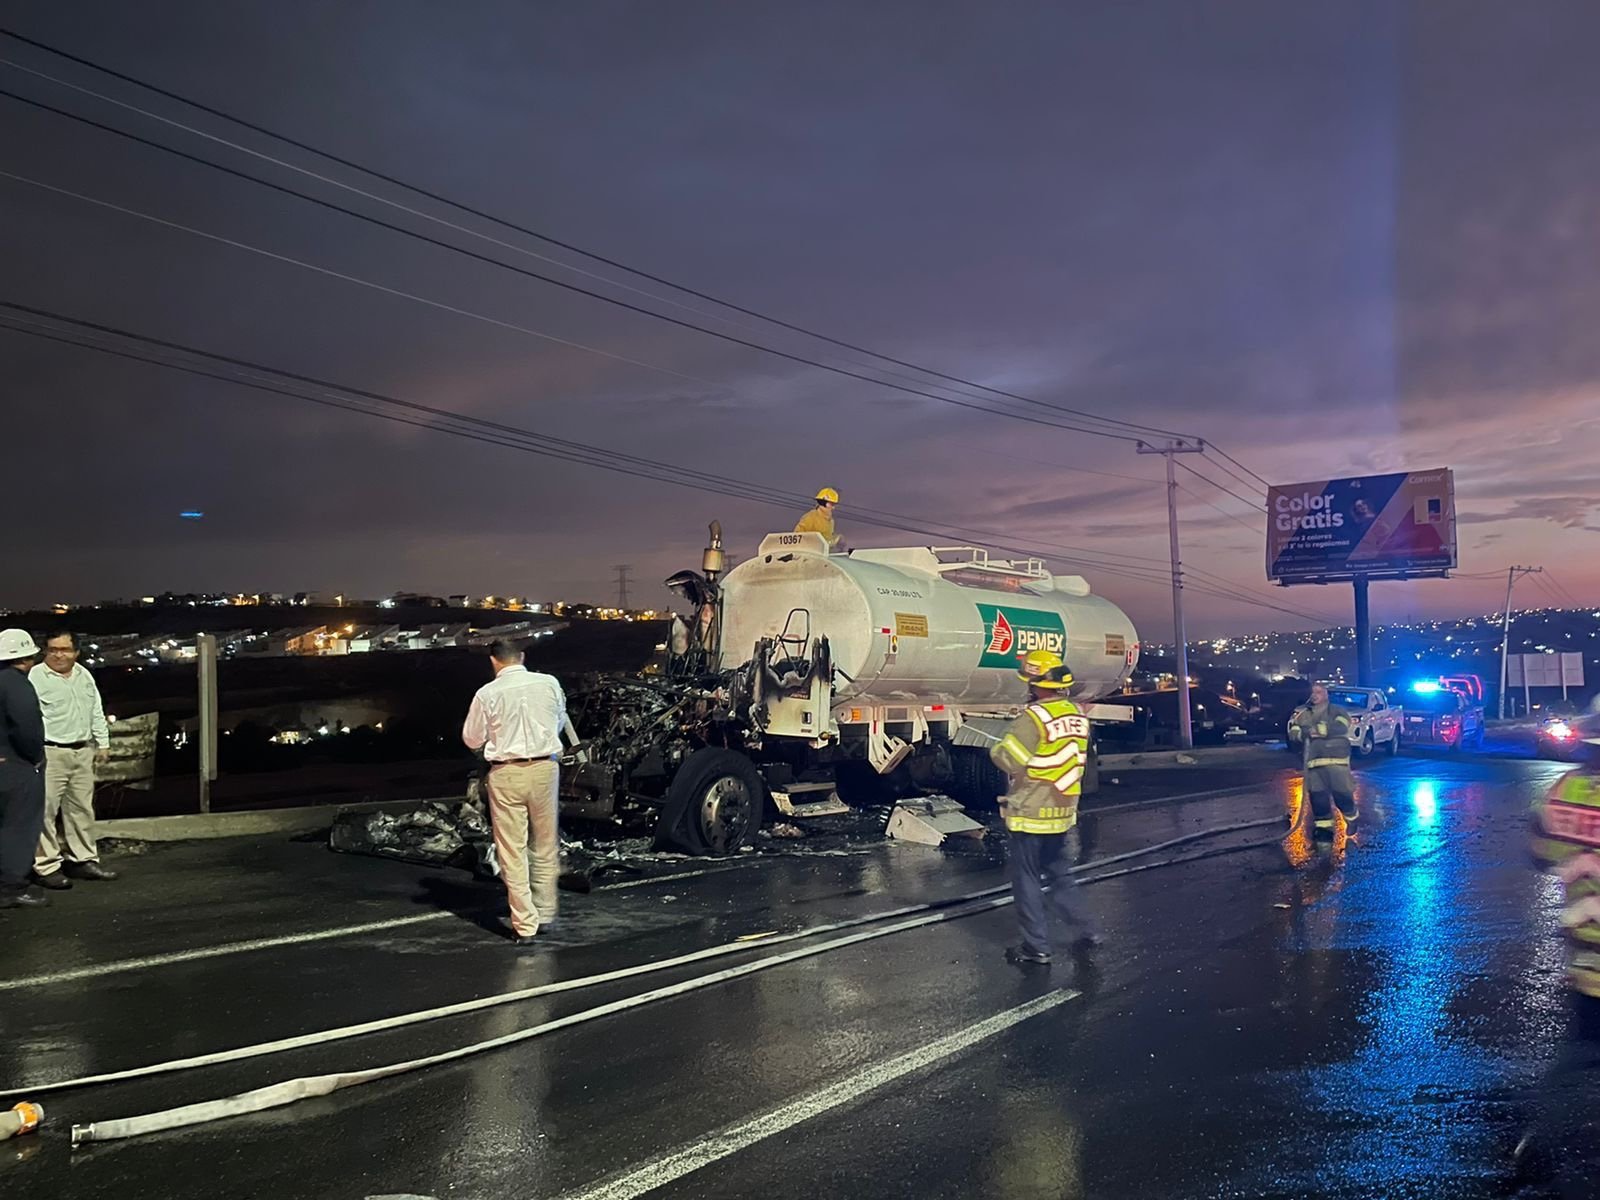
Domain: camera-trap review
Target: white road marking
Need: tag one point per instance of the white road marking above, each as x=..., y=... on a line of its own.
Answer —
x=96, y=970
x=180, y=956
x=730, y=1140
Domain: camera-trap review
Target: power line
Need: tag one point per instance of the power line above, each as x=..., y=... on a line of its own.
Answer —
x=486, y=216
x=622, y=570
x=1230, y=472
x=591, y=455
x=1251, y=503
x=475, y=429
x=1223, y=453
x=571, y=287
x=1231, y=516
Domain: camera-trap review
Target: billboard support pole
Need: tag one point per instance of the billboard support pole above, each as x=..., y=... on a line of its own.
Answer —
x=1505, y=632
x=1177, y=446
x=1363, y=634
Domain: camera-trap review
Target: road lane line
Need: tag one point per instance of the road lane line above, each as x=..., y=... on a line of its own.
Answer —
x=96, y=970
x=181, y=956
x=730, y=1140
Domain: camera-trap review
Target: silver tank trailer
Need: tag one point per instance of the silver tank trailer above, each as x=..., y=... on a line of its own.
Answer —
x=924, y=625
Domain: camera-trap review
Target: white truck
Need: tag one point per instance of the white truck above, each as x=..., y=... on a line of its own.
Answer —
x=873, y=674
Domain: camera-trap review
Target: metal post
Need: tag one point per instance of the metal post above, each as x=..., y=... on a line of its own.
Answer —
x=1505, y=634
x=1363, y=634
x=205, y=647
x=1177, y=446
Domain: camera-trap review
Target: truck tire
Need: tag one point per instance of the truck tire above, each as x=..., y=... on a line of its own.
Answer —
x=975, y=781
x=715, y=804
x=1368, y=745
x=1394, y=742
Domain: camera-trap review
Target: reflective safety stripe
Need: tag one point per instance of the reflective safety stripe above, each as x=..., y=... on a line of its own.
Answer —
x=1068, y=754
x=1070, y=780
x=1041, y=714
x=1020, y=753
x=1042, y=824
x=1329, y=762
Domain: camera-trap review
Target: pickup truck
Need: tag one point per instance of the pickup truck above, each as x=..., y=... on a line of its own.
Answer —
x=1376, y=721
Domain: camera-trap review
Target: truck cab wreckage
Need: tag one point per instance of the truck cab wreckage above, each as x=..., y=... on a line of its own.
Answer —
x=869, y=674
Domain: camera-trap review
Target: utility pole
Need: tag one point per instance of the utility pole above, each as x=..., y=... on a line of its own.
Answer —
x=622, y=570
x=1173, y=447
x=205, y=646
x=1512, y=574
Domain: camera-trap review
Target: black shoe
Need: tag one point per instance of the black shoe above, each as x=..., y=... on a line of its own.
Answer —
x=1026, y=956
x=55, y=881
x=88, y=870
x=515, y=938
x=24, y=897
x=1322, y=829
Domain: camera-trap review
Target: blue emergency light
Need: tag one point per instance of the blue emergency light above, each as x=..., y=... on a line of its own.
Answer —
x=1424, y=686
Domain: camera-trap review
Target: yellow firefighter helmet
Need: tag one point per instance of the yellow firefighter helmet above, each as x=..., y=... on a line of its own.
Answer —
x=828, y=494
x=1044, y=669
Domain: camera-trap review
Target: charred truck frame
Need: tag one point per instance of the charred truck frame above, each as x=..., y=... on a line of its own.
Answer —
x=873, y=673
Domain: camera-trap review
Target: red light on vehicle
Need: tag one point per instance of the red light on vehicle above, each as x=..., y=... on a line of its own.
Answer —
x=935, y=708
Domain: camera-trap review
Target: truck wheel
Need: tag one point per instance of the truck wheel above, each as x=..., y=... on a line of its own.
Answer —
x=1394, y=742
x=1368, y=745
x=714, y=805
x=975, y=781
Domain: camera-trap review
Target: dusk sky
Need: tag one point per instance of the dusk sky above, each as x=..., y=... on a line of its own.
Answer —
x=1331, y=238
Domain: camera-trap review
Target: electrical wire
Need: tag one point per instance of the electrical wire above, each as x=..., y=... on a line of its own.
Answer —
x=1261, y=508
x=1218, y=450
x=571, y=287
x=1234, y=517
x=485, y=216
x=369, y=403
x=1249, y=485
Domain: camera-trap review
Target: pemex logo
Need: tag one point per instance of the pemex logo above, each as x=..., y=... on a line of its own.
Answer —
x=1010, y=632
x=1002, y=639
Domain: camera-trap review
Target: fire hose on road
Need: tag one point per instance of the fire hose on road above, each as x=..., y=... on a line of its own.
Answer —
x=287, y=1092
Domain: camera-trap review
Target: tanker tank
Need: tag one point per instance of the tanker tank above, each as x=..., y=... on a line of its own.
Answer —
x=928, y=625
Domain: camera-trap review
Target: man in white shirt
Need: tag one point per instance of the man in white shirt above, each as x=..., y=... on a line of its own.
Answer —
x=76, y=737
x=516, y=721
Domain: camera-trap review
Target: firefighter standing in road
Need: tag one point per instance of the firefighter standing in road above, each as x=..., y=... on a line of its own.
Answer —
x=1325, y=743
x=1043, y=753
x=820, y=518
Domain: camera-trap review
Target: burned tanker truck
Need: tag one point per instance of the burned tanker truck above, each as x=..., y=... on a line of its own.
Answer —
x=870, y=674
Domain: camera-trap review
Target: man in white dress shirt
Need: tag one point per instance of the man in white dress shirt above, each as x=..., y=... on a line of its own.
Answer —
x=76, y=737
x=516, y=721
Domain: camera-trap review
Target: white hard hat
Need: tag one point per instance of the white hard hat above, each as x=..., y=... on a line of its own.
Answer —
x=15, y=644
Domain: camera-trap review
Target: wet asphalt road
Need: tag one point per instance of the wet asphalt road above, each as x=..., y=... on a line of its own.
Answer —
x=1378, y=1019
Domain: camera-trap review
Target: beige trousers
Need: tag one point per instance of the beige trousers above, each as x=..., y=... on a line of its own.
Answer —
x=522, y=799
x=68, y=809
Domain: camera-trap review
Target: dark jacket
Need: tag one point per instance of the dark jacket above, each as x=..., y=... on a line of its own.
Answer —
x=1325, y=735
x=21, y=720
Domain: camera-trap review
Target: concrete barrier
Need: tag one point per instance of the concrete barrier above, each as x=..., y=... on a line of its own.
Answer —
x=194, y=826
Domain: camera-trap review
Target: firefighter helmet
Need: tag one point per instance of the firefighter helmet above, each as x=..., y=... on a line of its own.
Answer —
x=1044, y=669
x=828, y=494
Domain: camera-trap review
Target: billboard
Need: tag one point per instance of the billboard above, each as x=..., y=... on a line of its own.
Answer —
x=1545, y=670
x=1376, y=525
